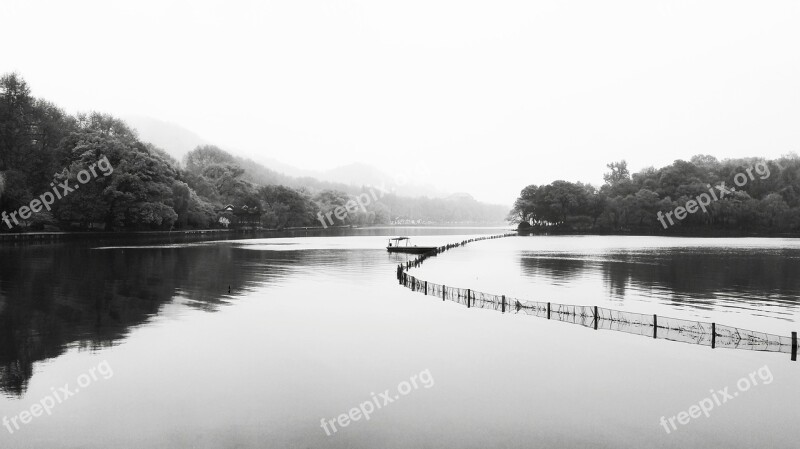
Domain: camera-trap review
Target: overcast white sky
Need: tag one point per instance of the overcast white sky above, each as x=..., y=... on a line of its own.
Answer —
x=492, y=95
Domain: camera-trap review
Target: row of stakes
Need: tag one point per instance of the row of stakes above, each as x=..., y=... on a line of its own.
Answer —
x=419, y=260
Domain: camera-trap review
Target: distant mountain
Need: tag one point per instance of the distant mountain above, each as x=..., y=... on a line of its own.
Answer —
x=406, y=181
x=401, y=181
x=355, y=173
x=461, y=196
x=174, y=139
x=282, y=167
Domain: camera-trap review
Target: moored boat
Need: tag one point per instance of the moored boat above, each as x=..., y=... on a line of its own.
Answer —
x=396, y=247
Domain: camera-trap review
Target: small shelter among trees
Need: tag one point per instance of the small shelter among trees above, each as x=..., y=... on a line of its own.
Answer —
x=243, y=216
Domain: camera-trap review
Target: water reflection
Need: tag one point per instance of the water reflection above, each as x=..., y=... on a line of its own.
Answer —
x=698, y=277
x=57, y=296
x=90, y=292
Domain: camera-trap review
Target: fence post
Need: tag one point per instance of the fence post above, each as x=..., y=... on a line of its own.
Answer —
x=426, y=288
x=503, y=309
x=595, y=318
x=548, y=310
x=794, y=346
x=468, y=295
x=655, y=326
x=713, y=335
x=444, y=292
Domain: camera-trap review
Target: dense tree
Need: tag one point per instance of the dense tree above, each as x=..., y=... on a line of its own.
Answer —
x=765, y=198
x=285, y=207
x=30, y=131
x=204, y=156
x=619, y=173
x=44, y=151
x=16, y=121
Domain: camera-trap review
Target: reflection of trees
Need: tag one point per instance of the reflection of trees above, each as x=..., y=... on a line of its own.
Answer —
x=616, y=279
x=698, y=273
x=692, y=275
x=59, y=295
x=556, y=267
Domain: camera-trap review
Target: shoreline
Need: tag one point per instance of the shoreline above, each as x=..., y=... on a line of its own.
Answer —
x=55, y=235
x=709, y=234
x=63, y=235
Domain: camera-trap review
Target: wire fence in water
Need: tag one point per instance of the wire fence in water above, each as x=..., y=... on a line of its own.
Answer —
x=659, y=327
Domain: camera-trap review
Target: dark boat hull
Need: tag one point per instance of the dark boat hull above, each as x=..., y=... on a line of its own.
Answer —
x=410, y=249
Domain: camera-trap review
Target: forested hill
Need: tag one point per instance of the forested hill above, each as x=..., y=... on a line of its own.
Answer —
x=127, y=184
x=699, y=196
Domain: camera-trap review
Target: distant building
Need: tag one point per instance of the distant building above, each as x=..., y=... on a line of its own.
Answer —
x=242, y=216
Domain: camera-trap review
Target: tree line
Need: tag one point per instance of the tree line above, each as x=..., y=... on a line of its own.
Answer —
x=702, y=195
x=42, y=146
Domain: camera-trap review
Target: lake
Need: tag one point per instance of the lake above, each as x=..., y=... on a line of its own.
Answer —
x=134, y=343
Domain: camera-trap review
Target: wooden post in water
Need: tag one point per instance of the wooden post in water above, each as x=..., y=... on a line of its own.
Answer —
x=595, y=317
x=548, y=310
x=713, y=335
x=794, y=346
x=468, y=295
x=503, y=309
x=655, y=326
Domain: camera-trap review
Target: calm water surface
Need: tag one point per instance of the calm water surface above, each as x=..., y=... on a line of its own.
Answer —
x=745, y=282
x=314, y=326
